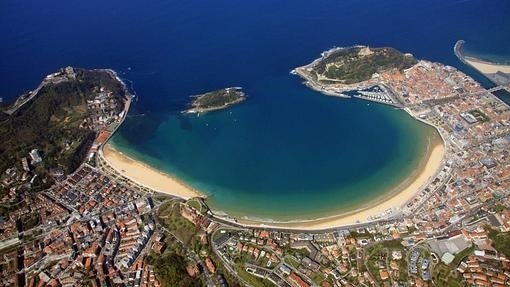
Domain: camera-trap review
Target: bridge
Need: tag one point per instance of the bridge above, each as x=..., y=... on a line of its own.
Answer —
x=499, y=88
x=505, y=87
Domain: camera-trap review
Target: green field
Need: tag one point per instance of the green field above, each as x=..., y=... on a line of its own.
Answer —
x=500, y=241
x=169, y=216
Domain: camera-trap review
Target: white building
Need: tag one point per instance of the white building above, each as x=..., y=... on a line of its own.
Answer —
x=36, y=157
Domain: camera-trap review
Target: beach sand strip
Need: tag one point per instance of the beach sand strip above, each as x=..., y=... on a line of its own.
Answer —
x=487, y=67
x=147, y=176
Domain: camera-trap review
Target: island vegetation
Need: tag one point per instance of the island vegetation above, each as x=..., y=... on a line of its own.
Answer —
x=357, y=64
x=216, y=100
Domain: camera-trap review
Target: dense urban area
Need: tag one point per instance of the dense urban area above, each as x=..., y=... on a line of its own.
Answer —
x=90, y=226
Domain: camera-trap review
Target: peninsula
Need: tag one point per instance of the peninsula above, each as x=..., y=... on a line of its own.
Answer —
x=216, y=100
x=49, y=131
x=356, y=64
x=352, y=68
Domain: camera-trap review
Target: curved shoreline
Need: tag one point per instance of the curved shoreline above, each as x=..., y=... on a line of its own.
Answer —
x=387, y=206
x=383, y=208
x=146, y=175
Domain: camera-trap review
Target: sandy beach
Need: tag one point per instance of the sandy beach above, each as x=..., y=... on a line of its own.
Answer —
x=161, y=182
x=403, y=193
x=487, y=67
x=156, y=180
x=147, y=176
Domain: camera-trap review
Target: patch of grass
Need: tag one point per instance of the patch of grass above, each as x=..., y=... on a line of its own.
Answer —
x=392, y=244
x=377, y=254
x=318, y=277
x=479, y=115
x=445, y=276
x=403, y=275
x=169, y=216
x=299, y=253
x=500, y=241
x=170, y=269
x=165, y=209
x=196, y=204
x=461, y=255
x=291, y=262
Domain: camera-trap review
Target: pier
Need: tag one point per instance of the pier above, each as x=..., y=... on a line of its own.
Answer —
x=382, y=95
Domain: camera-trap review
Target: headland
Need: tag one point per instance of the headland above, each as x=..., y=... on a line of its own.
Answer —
x=343, y=69
x=53, y=127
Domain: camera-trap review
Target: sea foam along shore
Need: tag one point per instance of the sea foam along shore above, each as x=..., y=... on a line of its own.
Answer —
x=147, y=176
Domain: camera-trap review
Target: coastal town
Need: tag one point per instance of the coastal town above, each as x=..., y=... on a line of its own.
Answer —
x=96, y=226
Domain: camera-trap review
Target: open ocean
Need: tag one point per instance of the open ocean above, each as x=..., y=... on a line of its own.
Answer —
x=287, y=152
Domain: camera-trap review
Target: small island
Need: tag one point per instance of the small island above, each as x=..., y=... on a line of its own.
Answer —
x=216, y=100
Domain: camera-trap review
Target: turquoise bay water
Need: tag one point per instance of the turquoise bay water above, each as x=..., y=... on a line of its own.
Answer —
x=285, y=153
x=290, y=154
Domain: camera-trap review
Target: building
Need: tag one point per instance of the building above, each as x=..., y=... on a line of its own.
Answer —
x=24, y=163
x=36, y=157
x=298, y=280
x=447, y=258
x=210, y=265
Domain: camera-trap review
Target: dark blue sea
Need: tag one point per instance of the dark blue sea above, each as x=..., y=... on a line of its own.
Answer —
x=285, y=153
